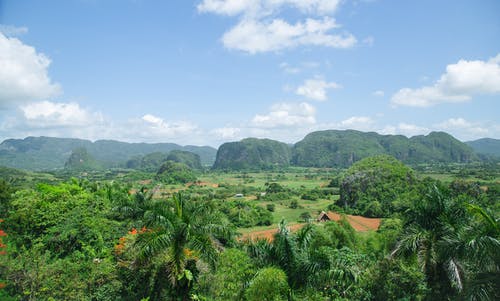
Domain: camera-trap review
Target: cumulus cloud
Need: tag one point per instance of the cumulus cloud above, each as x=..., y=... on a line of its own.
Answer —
x=255, y=36
x=286, y=115
x=466, y=129
x=226, y=132
x=265, y=7
x=316, y=89
x=362, y=123
x=23, y=74
x=50, y=114
x=459, y=83
x=153, y=126
x=260, y=30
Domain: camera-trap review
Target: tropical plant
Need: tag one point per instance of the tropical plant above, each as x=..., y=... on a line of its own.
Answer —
x=180, y=234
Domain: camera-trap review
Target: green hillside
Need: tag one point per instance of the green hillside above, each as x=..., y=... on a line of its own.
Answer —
x=252, y=153
x=333, y=148
x=46, y=153
x=486, y=146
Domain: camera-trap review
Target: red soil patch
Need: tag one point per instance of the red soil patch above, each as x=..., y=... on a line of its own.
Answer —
x=268, y=234
x=359, y=223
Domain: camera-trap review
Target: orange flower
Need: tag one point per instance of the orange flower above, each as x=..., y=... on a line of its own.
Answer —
x=133, y=231
x=2, y=285
x=2, y=233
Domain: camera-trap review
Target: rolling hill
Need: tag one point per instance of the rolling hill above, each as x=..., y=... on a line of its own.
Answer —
x=46, y=153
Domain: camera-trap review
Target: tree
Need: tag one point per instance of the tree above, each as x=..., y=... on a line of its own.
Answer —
x=269, y=284
x=377, y=186
x=428, y=224
x=181, y=233
x=234, y=271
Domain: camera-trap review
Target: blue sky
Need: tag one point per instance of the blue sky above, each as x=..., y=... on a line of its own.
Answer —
x=209, y=71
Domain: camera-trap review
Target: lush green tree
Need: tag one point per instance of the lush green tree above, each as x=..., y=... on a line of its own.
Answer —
x=269, y=284
x=175, y=173
x=427, y=226
x=377, y=186
x=181, y=233
x=392, y=279
x=234, y=270
x=192, y=160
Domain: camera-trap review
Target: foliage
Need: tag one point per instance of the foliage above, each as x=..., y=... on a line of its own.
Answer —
x=81, y=160
x=269, y=284
x=46, y=153
x=174, y=173
x=234, y=271
x=252, y=154
x=149, y=162
x=377, y=186
x=486, y=146
x=334, y=148
x=181, y=233
x=192, y=160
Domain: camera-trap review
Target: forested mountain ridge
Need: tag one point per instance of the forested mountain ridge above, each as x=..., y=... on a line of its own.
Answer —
x=45, y=153
x=335, y=148
x=486, y=146
x=252, y=153
x=341, y=148
x=329, y=148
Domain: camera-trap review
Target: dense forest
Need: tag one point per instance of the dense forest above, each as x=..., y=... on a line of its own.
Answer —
x=331, y=148
x=165, y=229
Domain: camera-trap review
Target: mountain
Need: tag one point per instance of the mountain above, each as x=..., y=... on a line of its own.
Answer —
x=191, y=159
x=46, y=153
x=334, y=148
x=253, y=153
x=486, y=146
x=81, y=160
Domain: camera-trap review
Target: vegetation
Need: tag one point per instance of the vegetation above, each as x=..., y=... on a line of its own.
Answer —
x=192, y=160
x=377, y=187
x=486, y=146
x=47, y=153
x=172, y=172
x=80, y=160
x=334, y=148
x=177, y=234
x=253, y=154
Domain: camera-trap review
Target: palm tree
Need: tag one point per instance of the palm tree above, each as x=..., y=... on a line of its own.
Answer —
x=180, y=233
x=429, y=223
x=477, y=246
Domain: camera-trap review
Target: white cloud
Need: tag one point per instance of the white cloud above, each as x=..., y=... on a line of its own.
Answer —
x=50, y=114
x=23, y=74
x=460, y=82
x=260, y=30
x=378, y=93
x=226, y=132
x=265, y=7
x=316, y=89
x=153, y=126
x=466, y=129
x=289, y=69
x=286, y=115
x=362, y=123
x=256, y=36
x=10, y=30
x=409, y=130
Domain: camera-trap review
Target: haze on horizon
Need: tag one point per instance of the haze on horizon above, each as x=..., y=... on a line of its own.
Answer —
x=209, y=71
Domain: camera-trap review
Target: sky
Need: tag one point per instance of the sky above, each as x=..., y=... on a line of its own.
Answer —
x=206, y=72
